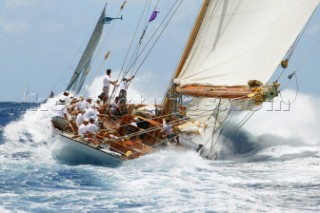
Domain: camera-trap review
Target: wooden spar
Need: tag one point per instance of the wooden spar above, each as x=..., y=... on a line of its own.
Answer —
x=192, y=38
x=229, y=92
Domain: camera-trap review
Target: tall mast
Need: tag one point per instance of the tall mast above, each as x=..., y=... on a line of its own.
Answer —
x=167, y=102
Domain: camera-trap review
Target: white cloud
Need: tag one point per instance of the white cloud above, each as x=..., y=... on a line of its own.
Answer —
x=14, y=4
x=14, y=27
x=9, y=23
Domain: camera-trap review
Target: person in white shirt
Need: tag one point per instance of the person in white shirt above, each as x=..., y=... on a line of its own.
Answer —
x=106, y=85
x=124, y=85
x=169, y=130
x=87, y=103
x=92, y=131
x=80, y=117
x=60, y=118
x=91, y=113
x=82, y=128
x=80, y=104
x=92, y=127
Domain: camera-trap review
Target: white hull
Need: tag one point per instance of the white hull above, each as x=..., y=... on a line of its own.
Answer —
x=74, y=152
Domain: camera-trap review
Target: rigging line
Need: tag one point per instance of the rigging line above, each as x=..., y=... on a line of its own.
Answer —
x=293, y=47
x=215, y=123
x=282, y=72
x=70, y=65
x=137, y=49
x=79, y=50
x=130, y=66
x=94, y=54
x=248, y=115
x=132, y=60
x=295, y=44
x=245, y=121
x=100, y=67
x=222, y=124
x=159, y=126
x=115, y=89
x=156, y=31
x=296, y=95
x=107, y=35
x=302, y=63
x=105, y=38
x=131, y=43
x=158, y=37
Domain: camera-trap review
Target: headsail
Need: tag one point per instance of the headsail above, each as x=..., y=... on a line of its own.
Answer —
x=79, y=74
x=243, y=40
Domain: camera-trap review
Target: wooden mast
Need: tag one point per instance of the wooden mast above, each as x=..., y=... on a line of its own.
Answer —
x=167, y=102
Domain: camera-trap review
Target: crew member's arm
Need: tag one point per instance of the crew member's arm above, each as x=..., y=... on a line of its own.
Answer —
x=114, y=83
x=129, y=79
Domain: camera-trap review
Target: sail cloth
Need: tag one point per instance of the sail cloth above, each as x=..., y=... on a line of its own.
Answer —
x=79, y=75
x=241, y=40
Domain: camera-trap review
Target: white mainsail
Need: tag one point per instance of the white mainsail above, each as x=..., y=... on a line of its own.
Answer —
x=243, y=40
x=80, y=73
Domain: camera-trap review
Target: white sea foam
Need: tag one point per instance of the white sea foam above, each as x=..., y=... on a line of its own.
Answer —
x=299, y=121
x=31, y=133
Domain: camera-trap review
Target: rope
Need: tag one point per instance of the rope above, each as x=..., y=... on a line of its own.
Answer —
x=156, y=32
x=135, y=52
x=105, y=38
x=158, y=37
x=296, y=95
x=108, y=33
x=131, y=43
x=244, y=121
x=295, y=44
x=142, y=51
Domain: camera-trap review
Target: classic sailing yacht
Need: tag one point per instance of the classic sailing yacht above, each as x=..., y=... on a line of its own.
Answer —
x=233, y=50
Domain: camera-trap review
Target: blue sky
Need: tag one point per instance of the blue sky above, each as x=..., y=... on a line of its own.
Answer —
x=41, y=42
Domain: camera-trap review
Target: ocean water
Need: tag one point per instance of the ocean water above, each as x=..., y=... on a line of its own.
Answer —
x=248, y=177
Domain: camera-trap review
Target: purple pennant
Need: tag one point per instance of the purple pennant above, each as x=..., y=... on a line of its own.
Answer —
x=153, y=15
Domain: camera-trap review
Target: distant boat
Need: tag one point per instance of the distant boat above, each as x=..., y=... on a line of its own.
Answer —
x=29, y=97
x=26, y=95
